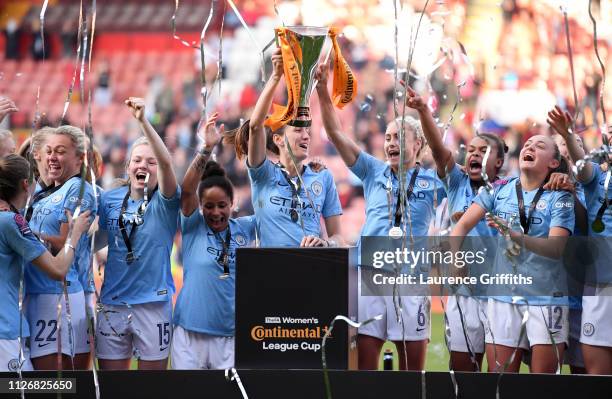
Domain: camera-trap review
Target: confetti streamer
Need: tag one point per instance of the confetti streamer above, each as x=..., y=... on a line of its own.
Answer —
x=76, y=66
x=235, y=377
x=82, y=74
x=605, y=139
x=253, y=39
x=173, y=24
x=203, y=90
x=447, y=341
x=20, y=340
x=452, y=114
x=508, y=361
x=94, y=13
x=466, y=59
x=423, y=385
x=401, y=129
x=220, y=58
x=91, y=320
x=571, y=62
x=483, y=171
x=42, y=25
x=351, y=323
x=395, y=67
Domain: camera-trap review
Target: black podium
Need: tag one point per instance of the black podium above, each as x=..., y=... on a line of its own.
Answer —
x=285, y=300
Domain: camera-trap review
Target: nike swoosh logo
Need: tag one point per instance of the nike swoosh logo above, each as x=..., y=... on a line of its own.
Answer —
x=420, y=329
x=43, y=345
x=502, y=198
x=163, y=349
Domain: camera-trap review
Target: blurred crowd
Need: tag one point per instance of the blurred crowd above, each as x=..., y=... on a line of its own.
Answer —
x=493, y=66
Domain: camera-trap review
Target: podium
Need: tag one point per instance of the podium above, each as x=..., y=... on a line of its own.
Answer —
x=285, y=300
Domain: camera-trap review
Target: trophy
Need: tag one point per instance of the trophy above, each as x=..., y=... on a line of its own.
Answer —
x=301, y=48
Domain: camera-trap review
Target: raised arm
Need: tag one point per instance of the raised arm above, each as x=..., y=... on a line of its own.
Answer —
x=468, y=221
x=561, y=123
x=257, y=135
x=57, y=266
x=347, y=148
x=6, y=107
x=441, y=154
x=165, y=171
x=189, y=189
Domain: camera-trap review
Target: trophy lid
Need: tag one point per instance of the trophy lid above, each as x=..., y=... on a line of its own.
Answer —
x=309, y=30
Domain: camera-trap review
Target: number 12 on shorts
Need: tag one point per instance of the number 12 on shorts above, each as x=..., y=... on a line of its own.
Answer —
x=557, y=311
x=164, y=335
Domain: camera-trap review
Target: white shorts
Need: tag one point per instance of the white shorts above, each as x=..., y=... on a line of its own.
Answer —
x=596, y=320
x=90, y=303
x=198, y=351
x=415, y=311
x=9, y=355
x=505, y=321
x=143, y=331
x=41, y=312
x=473, y=326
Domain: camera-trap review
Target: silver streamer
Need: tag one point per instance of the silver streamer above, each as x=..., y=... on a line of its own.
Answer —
x=483, y=171
x=232, y=375
x=76, y=65
x=173, y=23
x=220, y=58
x=253, y=39
x=82, y=74
x=452, y=114
x=605, y=139
x=351, y=323
x=522, y=332
x=42, y=25
x=571, y=62
x=395, y=68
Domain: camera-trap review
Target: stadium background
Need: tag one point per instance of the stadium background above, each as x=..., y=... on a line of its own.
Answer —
x=511, y=54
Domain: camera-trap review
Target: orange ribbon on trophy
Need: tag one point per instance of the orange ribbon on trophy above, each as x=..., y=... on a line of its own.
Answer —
x=293, y=78
x=345, y=85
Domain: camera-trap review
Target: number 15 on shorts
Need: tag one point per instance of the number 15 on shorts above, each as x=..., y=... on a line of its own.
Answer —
x=164, y=335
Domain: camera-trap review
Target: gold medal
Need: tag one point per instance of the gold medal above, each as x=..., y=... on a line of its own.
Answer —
x=598, y=226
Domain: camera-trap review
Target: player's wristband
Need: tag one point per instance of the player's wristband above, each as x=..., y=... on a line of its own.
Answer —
x=204, y=152
x=70, y=246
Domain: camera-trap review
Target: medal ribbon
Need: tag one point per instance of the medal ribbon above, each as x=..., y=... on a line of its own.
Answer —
x=223, y=259
x=398, y=210
x=128, y=239
x=525, y=222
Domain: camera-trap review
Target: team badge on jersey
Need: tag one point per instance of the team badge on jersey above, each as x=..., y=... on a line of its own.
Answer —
x=22, y=224
x=541, y=205
x=84, y=202
x=588, y=329
x=422, y=183
x=317, y=188
x=240, y=240
x=13, y=365
x=56, y=199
